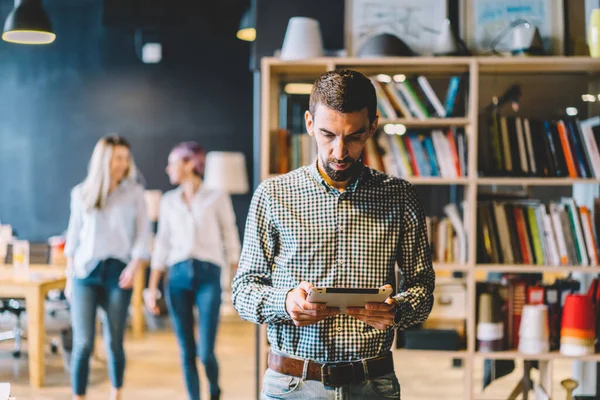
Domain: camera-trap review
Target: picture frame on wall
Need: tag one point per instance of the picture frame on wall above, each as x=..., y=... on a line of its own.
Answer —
x=416, y=22
x=483, y=21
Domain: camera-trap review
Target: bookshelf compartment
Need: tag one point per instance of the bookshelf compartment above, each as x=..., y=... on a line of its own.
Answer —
x=486, y=77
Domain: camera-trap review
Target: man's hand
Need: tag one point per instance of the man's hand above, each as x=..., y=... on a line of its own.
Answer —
x=378, y=315
x=304, y=313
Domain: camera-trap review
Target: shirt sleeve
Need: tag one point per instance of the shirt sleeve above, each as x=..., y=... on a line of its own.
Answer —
x=162, y=243
x=254, y=297
x=231, y=237
x=75, y=222
x=414, y=260
x=141, y=242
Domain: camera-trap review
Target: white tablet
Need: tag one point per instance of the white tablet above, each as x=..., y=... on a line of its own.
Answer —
x=347, y=297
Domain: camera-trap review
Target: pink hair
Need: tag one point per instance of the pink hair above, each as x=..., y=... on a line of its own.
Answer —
x=191, y=151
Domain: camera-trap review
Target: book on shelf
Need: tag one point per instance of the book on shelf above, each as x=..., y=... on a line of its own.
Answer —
x=532, y=233
x=527, y=147
x=447, y=235
x=292, y=151
x=419, y=153
x=413, y=97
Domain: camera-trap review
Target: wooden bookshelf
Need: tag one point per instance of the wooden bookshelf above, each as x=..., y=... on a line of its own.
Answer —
x=535, y=181
x=555, y=355
x=275, y=71
x=427, y=123
x=535, y=269
x=451, y=267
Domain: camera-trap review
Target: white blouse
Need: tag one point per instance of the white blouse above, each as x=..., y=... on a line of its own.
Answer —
x=120, y=230
x=204, y=230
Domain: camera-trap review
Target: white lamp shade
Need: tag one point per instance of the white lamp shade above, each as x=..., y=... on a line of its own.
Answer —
x=226, y=171
x=302, y=39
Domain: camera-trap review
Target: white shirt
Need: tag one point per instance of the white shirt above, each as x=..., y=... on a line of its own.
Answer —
x=120, y=230
x=204, y=230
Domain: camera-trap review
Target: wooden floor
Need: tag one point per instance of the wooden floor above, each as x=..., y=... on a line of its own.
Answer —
x=153, y=372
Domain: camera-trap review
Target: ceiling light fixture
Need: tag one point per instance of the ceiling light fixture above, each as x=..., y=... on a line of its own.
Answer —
x=28, y=23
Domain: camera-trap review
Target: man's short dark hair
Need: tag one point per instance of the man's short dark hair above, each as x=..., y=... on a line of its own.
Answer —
x=345, y=91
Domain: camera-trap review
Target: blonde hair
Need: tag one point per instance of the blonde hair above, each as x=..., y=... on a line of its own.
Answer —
x=94, y=189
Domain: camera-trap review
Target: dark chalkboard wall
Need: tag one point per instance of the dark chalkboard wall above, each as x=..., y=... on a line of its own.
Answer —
x=57, y=100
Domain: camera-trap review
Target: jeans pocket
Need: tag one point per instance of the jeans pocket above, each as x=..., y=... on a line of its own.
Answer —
x=386, y=386
x=276, y=385
x=180, y=275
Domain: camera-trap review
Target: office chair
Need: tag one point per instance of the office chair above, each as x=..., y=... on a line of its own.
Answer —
x=39, y=253
x=17, y=308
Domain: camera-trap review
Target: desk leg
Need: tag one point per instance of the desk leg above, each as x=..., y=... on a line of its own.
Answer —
x=36, y=336
x=137, y=304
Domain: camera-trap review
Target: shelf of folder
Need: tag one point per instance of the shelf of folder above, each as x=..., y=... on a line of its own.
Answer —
x=427, y=123
x=527, y=268
x=535, y=181
x=555, y=355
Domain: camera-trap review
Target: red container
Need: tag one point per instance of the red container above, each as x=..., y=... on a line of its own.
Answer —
x=578, y=313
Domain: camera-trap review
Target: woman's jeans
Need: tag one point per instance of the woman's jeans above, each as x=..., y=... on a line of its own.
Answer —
x=198, y=283
x=100, y=288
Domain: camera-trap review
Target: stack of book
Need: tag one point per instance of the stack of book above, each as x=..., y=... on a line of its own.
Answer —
x=529, y=232
x=291, y=151
x=414, y=98
x=544, y=148
x=434, y=153
x=447, y=235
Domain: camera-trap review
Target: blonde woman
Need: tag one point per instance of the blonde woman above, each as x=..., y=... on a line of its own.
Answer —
x=107, y=241
x=197, y=237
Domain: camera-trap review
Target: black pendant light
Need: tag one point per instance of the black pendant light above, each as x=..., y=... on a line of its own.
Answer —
x=247, y=29
x=28, y=23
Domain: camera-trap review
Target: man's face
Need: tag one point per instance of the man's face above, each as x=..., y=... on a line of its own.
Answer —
x=340, y=139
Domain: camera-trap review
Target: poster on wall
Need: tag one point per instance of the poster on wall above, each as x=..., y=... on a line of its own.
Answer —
x=416, y=22
x=488, y=21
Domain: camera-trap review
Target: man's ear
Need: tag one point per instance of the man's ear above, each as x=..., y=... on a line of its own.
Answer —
x=308, y=120
x=373, y=127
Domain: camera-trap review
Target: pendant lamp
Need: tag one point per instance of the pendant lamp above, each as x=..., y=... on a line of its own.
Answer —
x=28, y=23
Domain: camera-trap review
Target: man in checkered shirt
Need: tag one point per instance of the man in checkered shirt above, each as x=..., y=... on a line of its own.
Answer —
x=335, y=223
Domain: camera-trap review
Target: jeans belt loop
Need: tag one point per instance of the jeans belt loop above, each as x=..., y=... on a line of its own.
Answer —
x=365, y=369
x=305, y=369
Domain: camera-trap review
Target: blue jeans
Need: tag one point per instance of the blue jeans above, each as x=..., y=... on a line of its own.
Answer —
x=280, y=386
x=100, y=288
x=196, y=283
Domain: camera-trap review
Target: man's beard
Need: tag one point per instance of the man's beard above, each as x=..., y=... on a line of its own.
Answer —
x=343, y=175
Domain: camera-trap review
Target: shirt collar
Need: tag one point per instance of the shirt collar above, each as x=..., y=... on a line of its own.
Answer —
x=313, y=169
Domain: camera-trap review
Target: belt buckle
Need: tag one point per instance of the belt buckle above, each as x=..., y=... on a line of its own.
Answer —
x=326, y=367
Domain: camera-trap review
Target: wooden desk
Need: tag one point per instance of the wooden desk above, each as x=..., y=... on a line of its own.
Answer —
x=33, y=288
x=138, y=326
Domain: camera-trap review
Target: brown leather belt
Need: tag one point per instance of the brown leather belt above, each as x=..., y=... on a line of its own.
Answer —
x=333, y=374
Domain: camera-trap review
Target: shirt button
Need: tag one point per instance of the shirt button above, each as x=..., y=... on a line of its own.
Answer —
x=341, y=228
x=339, y=328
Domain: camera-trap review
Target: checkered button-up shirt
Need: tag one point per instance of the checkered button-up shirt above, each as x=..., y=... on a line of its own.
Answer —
x=301, y=229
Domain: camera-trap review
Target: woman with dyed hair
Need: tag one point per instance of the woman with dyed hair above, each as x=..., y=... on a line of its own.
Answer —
x=197, y=237
x=107, y=241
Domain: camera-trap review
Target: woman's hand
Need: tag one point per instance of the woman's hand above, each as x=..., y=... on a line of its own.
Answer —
x=128, y=275
x=68, y=289
x=150, y=297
